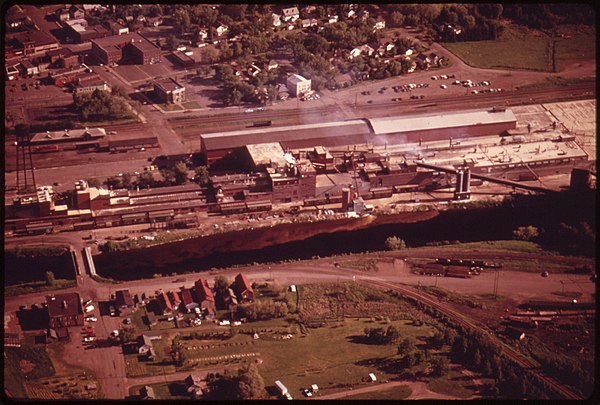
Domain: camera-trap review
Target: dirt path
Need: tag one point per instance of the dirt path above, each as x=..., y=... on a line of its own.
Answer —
x=419, y=391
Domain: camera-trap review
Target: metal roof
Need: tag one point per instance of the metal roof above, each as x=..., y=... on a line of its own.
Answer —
x=236, y=139
x=428, y=122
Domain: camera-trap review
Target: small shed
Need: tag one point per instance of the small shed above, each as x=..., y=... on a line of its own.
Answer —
x=372, y=377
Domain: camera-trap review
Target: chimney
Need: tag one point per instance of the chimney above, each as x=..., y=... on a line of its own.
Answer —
x=64, y=304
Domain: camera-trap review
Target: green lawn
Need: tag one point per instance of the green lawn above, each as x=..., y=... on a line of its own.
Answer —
x=454, y=383
x=519, y=48
x=136, y=367
x=165, y=390
x=394, y=393
x=513, y=245
x=170, y=107
x=191, y=104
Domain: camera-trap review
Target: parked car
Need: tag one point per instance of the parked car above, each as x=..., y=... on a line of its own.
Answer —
x=112, y=311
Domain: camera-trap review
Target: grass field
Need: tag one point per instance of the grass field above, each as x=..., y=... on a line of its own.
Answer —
x=454, y=383
x=520, y=48
x=396, y=393
x=191, y=104
x=137, y=367
x=512, y=245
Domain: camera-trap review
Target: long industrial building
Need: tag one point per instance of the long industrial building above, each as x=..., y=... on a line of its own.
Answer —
x=375, y=131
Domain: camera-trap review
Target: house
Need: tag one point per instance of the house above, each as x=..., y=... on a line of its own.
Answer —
x=242, y=288
x=332, y=19
x=154, y=21
x=290, y=14
x=221, y=29
x=164, y=303
x=423, y=61
x=147, y=392
x=202, y=34
x=123, y=301
x=187, y=300
x=361, y=50
x=174, y=298
x=276, y=20
x=90, y=83
x=253, y=70
x=343, y=80
x=28, y=68
x=116, y=28
x=204, y=296
x=272, y=65
x=408, y=52
x=64, y=310
x=309, y=23
x=62, y=14
x=372, y=377
x=146, y=348
x=75, y=12
x=379, y=25
x=194, y=384
x=298, y=85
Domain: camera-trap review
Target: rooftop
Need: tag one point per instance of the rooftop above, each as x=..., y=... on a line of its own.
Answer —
x=168, y=85
x=68, y=304
x=266, y=154
x=433, y=121
x=119, y=41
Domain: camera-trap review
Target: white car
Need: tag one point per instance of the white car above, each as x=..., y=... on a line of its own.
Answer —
x=249, y=110
x=89, y=308
x=91, y=319
x=443, y=86
x=224, y=323
x=237, y=323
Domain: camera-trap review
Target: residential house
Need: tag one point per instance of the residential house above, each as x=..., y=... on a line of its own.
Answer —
x=242, y=289
x=272, y=65
x=194, y=384
x=343, y=80
x=253, y=70
x=202, y=34
x=309, y=23
x=146, y=348
x=379, y=25
x=361, y=50
x=90, y=83
x=174, y=298
x=154, y=21
x=408, y=52
x=164, y=303
x=76, y=12
x=332, y=19
x=276, y=20
x=298, y=85
x=221, y=29
x=290, y=14
x=187, y=300
x=123, y=301
x=116, y=28
x=413, y=65
x=62, y=14
x=204, y=296
x=147, y=392
x=385, y=48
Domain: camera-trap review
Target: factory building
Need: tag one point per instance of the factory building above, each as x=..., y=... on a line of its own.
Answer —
x=298, y=85
x=376, y=131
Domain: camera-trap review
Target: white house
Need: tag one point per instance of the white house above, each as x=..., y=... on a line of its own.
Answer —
x=363, y=49
x=332, y=19
x=290, y=14
x=298, y=85
x=379, y=25
x=202, y=33
x=222, y=29
x=276, y=20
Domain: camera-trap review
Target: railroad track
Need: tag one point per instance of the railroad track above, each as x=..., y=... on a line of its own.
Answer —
x=461, y=320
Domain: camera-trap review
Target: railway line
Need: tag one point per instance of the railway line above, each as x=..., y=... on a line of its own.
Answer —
x=515, y=356
x=325, y=113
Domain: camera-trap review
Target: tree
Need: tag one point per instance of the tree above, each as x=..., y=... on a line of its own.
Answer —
x=440, y=366
x=250, y=383
x=168, y=175
x=128, y=335
x=182, y=21
x=406, y=346
x=119, y=91
x=180, y=173
x=113, y=182
x=172, y=42
x=126, y=180
x=394, y=243
x=50, y=278
x=145, y=180
x=525, y=233
x=201, y=175
x=396, y=20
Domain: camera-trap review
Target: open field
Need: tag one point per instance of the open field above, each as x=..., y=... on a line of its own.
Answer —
x=521, y=48
x=395, y=393
x=37, y=286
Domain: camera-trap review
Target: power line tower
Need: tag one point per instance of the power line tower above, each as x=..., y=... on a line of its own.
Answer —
x=25, y=172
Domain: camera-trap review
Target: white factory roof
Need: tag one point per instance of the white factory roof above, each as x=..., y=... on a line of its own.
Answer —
x=294, y=79
x=425, y=122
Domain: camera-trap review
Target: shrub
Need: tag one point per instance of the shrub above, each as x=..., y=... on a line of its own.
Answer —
x=394, y=243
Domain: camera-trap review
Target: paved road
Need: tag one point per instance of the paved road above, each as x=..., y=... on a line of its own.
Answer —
x=419, y=391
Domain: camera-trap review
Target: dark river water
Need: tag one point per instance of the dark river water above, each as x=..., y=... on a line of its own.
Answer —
x=465, y=225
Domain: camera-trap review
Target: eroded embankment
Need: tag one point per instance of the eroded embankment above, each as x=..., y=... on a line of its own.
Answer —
x=119, y=264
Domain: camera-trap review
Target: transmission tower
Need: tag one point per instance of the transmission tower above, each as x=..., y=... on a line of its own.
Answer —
x=25, y=173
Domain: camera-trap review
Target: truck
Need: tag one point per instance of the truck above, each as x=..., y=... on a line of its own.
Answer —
x=282, y=388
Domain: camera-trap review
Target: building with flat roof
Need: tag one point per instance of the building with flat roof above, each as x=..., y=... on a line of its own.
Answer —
x=183, y=59
x=64, y=310
x=298, y=85
x=132, y=48
x=33, y=42
x=169, y=91
x=81, y=32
